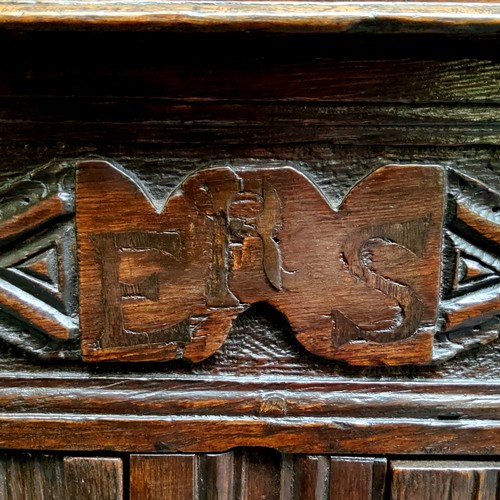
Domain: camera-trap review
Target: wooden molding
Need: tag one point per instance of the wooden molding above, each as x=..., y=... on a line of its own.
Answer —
x=289, y=16
x=212, y=414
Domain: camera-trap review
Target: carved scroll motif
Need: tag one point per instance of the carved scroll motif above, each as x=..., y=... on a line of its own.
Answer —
x=380, y=279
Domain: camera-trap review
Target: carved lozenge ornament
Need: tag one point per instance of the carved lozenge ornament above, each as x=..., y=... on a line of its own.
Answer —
x=359, y=283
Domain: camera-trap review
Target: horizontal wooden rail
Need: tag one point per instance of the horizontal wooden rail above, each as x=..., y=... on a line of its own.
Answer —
x=68, y=412
x=267, y=15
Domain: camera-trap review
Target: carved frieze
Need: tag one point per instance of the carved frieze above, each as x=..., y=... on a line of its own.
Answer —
x=38, y=275
x=404, y=271
x=471, y=298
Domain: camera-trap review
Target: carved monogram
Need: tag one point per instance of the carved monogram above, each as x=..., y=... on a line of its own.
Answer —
x=405, y=271
x=360, y=283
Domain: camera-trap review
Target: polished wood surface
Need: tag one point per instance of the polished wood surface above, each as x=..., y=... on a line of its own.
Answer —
x=166, y=282
x=441, y=479
x=244, y=474
x=365, y=164
x=52, y=477
x=165, y=476
x=277, y=15
x=256, y=474
x=164, y=276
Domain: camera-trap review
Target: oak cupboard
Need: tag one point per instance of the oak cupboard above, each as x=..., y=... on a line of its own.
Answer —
x=249, y=250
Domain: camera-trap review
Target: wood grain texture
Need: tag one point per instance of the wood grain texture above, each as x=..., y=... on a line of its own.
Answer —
x=357, y=478
x=256, y=474
x=91, y=478
x=469, y=309
x=274, y=16
x=163, y=281
x=330, y=69
x=306, y=476
x=178, y=395
x=51, y=477
x=260, y=475
x=247, y=124
x=315, y=477
x=454, y=480
x=473, y=301
x=30, y=477
x=216, y=476
x=210, y=434
x=38, y=279
x=163, y=476
x=281, y=114
x=338, y=106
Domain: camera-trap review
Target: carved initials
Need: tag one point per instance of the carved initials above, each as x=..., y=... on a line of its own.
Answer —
x=410, y=236
x=164, y=285
x=121, y=283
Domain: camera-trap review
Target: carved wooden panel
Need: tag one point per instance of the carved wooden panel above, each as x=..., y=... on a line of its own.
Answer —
x=414, y=480
x=52, y=477
x=405, y=270
x=256, y=474
x=471, y=304
x=359, y=283
x=38, y=277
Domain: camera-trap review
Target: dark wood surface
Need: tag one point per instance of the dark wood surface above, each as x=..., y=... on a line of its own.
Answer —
x=246, y=474
x=357, y=478
x=456, y=480
x=255, y=475
x=165, y=476
x=160, y=283
x=31, y=476
x=51, y=477
x=88, y=478
x=165, y=277
x=172, y=415
x=418, y=16
x=338, y=108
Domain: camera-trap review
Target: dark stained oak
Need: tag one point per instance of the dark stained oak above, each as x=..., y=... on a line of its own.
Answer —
x=414, y=480
x=163, y=476
x=37, y=274
x=386, y=144
x=357, y=478
x=38, y=278
x=301, y=118
x=216, y=476
x=205, y=394
x=30, y=477
x=317, y=477
x=475, y=233
x=51, y=477
x=91, y=478
x=277, y=15
x=256, y=474
x=245, y=475
x=215, y=434
x=307, y=476
x=161, y=281
x=260, y=475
